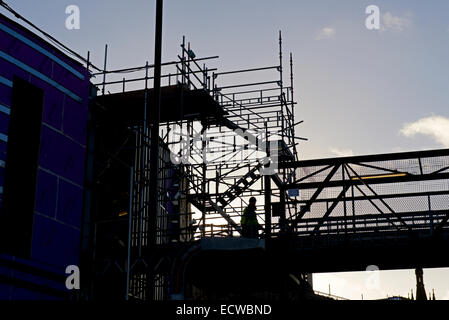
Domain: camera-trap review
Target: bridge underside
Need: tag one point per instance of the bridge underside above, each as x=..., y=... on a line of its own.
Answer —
x=229, y=266
x=388, y=251
x=333, y=253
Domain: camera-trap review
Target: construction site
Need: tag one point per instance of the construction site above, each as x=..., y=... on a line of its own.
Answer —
x=172, y=153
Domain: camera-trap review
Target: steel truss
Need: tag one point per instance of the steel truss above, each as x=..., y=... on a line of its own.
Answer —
x=366, y=194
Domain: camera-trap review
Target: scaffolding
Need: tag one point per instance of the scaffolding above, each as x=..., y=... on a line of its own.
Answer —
x=219, y=136
x=227, y=136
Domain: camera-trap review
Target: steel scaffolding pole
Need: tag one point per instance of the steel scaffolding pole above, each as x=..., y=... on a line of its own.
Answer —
x=154, y=156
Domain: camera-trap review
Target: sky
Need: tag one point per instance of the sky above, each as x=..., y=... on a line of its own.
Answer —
x=360, y=91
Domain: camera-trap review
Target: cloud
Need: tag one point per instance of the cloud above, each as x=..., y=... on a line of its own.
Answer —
x=437, y=127
x=341, y=152
x=396, y=23
x=326, y=33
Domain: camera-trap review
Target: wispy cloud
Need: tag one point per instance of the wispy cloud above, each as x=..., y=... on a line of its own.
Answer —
x=437, y=127
x=341, y=152
x=396, y=23
x=325, y=33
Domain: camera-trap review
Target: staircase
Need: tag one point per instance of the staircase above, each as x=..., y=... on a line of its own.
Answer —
x=199, y=199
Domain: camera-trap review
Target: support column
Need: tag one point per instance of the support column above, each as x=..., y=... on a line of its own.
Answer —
x=267, y=183
x=154, y=155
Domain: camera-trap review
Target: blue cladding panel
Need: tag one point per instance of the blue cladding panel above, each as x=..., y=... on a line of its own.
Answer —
x=17, y=36
x=4, y=123
x=41, y=63
x=24, y=294
x=8, y=71
x=70, y=204
x=68, y=80
x=2, y=177
x=74, y=126
x=46, y=194
x=62, y=156
x=5, y=82
x=5, y=109
x=2, y=150
x=53, y=109
x=54, y=243
x=39, y=280
x=35, y=72
x=5, y=95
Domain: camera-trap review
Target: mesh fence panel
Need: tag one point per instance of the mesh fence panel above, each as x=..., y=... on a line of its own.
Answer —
x=419, y=203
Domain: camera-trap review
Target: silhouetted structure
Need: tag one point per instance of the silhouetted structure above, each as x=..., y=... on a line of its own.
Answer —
x=420, y=290
x=319, y=215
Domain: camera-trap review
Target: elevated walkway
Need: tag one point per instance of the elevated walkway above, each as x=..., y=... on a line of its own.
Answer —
x=178, y=103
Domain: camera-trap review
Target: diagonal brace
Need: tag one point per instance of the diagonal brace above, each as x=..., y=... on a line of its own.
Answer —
x=330, y=209
x=309, y=203
x=379, y=197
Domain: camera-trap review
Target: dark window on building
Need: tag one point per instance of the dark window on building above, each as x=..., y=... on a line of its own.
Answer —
x=19, y=189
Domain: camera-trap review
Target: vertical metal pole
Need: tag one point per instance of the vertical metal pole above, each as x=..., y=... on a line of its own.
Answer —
x=88, y=194
x=145, y=109
x=217, y=182
x=130, y=221
x=430, y=215
x=293, y=108
x=188, y=65
x=282, y=213
x=88, y=61
x=154, y=155
x=214, y=94
x=94, y=256
x=104, y=69
x=204, y=177
x=186, y=204
x=183, y=69
x=344, y=202
x=352, y=200
x=145, y=211
x=142, y=140
x=280, y=60
x=204, y=76
x=267, y=179
x=292, y=90
x=281, y=98
x=281, y=84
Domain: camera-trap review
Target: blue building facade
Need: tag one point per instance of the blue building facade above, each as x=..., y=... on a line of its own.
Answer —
x=43, y=233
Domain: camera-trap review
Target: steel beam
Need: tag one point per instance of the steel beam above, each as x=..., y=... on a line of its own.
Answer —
x=306, y=208
x=367, y=158
x=329, y=211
